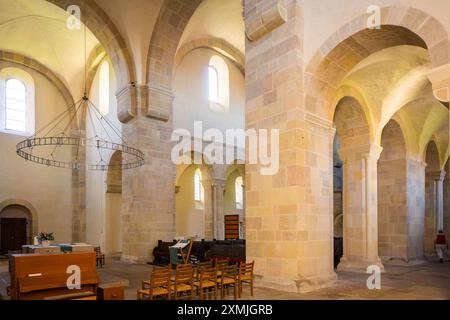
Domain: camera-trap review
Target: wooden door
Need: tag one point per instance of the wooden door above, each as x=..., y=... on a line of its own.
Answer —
x=13, y=234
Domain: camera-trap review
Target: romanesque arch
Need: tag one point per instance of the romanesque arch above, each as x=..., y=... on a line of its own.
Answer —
x=19, y=202
x=167, y=33
x=105, y=31
x=218, y=45
x=353, y=42
x=43, y=70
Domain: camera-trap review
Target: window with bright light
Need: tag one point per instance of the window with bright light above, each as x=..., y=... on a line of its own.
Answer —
x=213, y=78
x=198, y=192
x=239, y=192
x=16, y=102
x=219, y=84
x=16, y=113
x=104, y=88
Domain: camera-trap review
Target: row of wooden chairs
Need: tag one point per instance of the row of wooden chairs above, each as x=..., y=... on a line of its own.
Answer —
x=203, y=279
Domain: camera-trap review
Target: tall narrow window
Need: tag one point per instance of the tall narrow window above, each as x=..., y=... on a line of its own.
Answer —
x=16, y=105
x=104, y=88
x=213, y=78
x=219, y=84
x=239, y=192
x=198, y=196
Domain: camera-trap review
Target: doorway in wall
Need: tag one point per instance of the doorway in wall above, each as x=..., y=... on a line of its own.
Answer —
x=15, y=230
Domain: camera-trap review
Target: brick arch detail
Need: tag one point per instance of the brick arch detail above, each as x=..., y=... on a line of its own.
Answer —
x=349, y=45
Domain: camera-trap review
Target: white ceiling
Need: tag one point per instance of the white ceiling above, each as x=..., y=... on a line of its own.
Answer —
x=38, y=29
x=220, y=19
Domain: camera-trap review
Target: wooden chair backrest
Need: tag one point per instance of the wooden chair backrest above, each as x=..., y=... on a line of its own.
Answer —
x=184, y=273
x=208, y=274
x=205, y=264
x=229, y=272
x=160, y=278
x=220, y=264
x=246, y=268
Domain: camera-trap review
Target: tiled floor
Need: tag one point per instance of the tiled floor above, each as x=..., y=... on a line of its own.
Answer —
x=427, y=281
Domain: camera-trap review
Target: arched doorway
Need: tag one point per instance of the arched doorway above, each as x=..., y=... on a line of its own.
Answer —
x=16, y=228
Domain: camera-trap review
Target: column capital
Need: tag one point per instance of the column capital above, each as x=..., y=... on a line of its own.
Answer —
x=436, y=175
x=219, y=182
x=440, y=80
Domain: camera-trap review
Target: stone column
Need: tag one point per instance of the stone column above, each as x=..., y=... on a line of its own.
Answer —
x=434, y=209
x=148, y=198
x=289, y=214
x=446, y=205
x=208, y=209
x=219, y=224
x=415, y=185
x=360, y=208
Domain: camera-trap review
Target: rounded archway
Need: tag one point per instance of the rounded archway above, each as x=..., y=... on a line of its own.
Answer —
x=19, y=223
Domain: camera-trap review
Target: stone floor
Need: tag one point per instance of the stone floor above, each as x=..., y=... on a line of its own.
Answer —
x=430, y=280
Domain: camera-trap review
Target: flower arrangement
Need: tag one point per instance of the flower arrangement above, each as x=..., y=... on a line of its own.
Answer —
x=44, y=236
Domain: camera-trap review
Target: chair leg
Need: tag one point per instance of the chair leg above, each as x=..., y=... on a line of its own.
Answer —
x=235, y=291
x=251, y=287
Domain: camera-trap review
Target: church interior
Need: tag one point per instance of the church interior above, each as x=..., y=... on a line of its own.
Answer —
x=96, y=97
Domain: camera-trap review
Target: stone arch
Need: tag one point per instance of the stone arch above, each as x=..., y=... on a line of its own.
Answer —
x=172, y=20
x=40, y=68
x=98, y=22
x=186, y=209
x=207, y=169
x=220, y=46
x=393, y=194
x=353, y=42
x=352, y=124
x=19, y=202
x=431, y=156
x=114, y=174
x=96, y=57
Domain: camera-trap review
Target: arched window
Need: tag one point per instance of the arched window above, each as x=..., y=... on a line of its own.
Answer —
x=239, y=192
x=16, y=105
x=198, y=189
x=104, y=88
x=16, y=102
x=213, y=79
x=219, y=84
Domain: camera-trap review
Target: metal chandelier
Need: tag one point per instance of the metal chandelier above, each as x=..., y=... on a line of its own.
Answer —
x=64, y=141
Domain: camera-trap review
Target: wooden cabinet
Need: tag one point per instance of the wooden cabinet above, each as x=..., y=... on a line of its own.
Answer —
x=110, y=293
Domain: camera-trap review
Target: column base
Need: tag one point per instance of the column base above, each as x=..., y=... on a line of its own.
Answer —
x=297, y=286
x=358, y=265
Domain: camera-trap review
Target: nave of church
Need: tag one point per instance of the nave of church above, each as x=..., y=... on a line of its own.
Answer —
x=297, y=149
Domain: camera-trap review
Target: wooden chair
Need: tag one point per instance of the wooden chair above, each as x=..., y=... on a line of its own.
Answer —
x=158, y=285
x=200, y=266
x=183, y=282
x=229, y=277
x=246, y=276
x=146, y=283
x=219, y=264
x=207, y=280
x=100, y=256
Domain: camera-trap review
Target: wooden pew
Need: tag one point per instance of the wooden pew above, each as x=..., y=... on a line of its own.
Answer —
x=44, y=277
